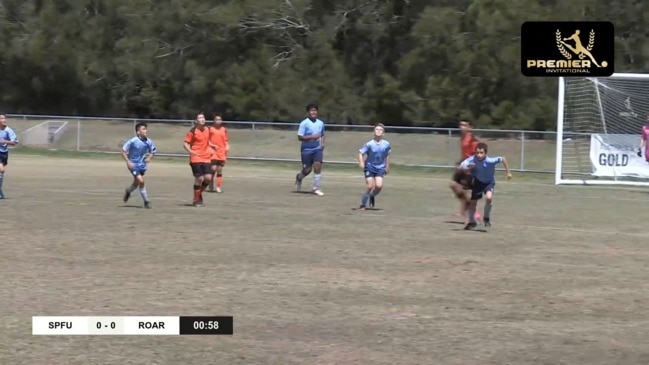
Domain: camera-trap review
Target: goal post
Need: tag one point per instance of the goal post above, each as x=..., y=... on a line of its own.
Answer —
x=599, y=125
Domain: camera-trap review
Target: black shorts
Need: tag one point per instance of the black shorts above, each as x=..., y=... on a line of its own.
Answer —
x=480, y=188
x=4, y=158
x=201, y=168
x=218, y=163
x=464, y=179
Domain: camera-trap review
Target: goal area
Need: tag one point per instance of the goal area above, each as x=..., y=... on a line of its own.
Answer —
x=599, y=126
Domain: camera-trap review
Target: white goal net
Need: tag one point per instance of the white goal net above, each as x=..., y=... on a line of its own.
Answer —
x=599, y=126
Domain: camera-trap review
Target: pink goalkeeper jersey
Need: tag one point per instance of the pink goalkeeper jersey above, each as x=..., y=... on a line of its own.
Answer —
x=645, y=138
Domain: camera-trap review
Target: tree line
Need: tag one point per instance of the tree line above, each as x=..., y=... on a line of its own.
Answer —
x=400, y=62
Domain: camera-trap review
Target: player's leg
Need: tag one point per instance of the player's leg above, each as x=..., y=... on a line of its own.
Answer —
x=307, y=165
x=458, y=189
x=4, y=159
x=489, y=196
x=369, y=187
x=476, y=194
x=206, y=170
x=219, y=175
x=317, y=172
x=198, y=174
x=139, y=179
x=378, y=186
x=214, y=169
x=131, y=188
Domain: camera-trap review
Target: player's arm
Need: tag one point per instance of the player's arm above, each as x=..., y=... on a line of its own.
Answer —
x=387, y=164
x=152, y=152
x=506, y=165
x=187, y=143
x=124, y=153
x=227, y=142
x=13, y=139
x=322, y=138
x=467, y=165
x=301, y=134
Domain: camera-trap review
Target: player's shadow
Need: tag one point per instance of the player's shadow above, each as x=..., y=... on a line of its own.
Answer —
x=302, y=192
x=186, y=205
x=368, y=209
x=131, y=206
x=454, y=222
x=482, y=230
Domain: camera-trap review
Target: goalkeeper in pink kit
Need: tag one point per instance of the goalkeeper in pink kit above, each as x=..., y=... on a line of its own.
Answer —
x=644, y=144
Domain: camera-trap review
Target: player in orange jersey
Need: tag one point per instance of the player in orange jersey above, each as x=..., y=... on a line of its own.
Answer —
x=221, y=146
x=197, y=144
x=462, y=181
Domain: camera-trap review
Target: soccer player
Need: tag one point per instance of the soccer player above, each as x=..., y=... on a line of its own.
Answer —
x=221, y=145
x=374, y=159
x=312, y=135
x=483, y=169
x=137, y=153
x=197, y=144
x=461, y=181
x=643, y=142
x=7, y=138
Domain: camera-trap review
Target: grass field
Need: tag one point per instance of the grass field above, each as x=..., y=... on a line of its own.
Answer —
x=560, y=278
x=422, y=149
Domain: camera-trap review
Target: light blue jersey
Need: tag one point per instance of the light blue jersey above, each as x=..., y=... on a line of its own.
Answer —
x=485, y=170
x=377, y=155
x=137, y=149
x=308, y=128
x=7, y=134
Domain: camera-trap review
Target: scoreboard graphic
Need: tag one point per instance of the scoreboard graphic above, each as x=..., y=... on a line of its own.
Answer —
x=133, y=325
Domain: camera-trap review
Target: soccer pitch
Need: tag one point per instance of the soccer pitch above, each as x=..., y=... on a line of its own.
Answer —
x=560, y=278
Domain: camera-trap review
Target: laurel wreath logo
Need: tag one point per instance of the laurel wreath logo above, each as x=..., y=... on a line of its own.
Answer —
x=563, y=51
x=591, y=43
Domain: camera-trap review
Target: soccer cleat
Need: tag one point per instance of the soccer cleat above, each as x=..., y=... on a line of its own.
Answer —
x=362, y=207
x=318, y=192
x=371, y=202
x=147, y=205
x=198, y=203
x=218, y=190
x=298, y=183
x=487, y=222
x=2, y=195
x=127, y=195
x=469, y=226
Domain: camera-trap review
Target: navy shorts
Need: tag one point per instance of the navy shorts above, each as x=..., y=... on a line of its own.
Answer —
x=4, y=158
x=479, y=188
x=138, y=172
x=201, y=168
x=373, y=173
x=311, y=157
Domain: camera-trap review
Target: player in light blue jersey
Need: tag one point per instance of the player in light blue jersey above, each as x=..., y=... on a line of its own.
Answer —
x=483, y=170
x=137, y=152
x=7, y=138
x=374, y=159
x=311, y=134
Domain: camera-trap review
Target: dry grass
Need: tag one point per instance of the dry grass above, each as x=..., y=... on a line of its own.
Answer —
x=559, y=279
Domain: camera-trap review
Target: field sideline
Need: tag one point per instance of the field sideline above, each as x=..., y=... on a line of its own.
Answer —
x=560, y=278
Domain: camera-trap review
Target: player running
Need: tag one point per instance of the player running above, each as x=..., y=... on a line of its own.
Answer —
x=483, y=169
x=462, y=181
x=197, y=144
x=312, y=135
x=374, y=159
x=221, y=146
x=7, y=138
x=137, y=153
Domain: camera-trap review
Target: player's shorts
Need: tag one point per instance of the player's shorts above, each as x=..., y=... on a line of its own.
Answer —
x=201, y=168
x=373, y=173
x=464, y=179
x=138, y=172
x=311, y=157
x=4, y=158
x=218, y=162
x=479, y=188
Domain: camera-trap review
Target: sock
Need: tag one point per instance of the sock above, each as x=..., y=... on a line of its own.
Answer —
x=316, y=181
x=472, y=215
x=2, y=177
x=219, y=180
x=131, y=188
x=212, y=182
x=197, y=193
x=375, y=192
x=487, y=210
x=143, y=194
x=364, y=198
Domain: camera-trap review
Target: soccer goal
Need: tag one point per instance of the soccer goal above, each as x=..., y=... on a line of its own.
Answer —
x=599, y=125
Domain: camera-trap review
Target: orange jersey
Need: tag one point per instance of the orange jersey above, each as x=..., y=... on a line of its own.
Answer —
x=219, y=137
x=199, y=142
x=468, y=143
